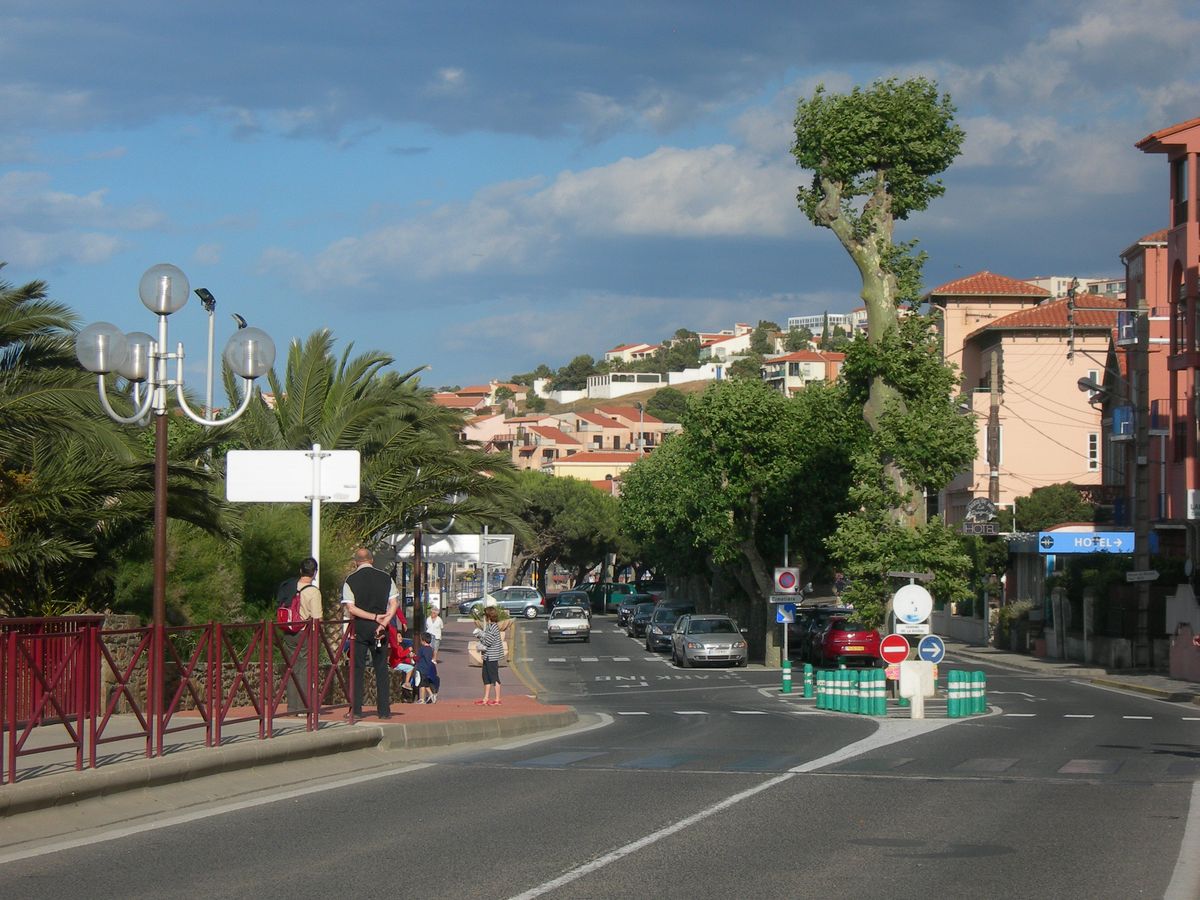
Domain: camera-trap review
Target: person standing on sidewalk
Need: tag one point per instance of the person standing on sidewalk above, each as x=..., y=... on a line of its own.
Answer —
x=491, y=646
x=297, y=644
x=370, y=598
x=433, y=628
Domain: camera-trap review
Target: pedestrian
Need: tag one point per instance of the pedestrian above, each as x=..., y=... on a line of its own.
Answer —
x=433, y=627
x=427, y=669
x=839, y=584
x=297, y=645
x=491, y=646
x=369, y=598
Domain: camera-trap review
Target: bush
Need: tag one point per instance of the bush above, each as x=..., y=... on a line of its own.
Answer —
x=1007, y=616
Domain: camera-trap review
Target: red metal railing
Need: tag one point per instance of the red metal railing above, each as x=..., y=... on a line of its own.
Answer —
x=71, y=673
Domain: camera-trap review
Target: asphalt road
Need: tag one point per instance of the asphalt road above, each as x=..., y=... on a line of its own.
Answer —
x=690, y=784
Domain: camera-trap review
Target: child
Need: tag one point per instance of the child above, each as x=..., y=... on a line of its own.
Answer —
x=428, y=670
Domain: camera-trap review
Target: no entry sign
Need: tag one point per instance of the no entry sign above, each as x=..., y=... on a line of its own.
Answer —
x=894, y=649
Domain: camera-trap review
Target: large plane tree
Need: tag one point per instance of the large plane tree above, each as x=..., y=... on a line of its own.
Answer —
x=875, y=156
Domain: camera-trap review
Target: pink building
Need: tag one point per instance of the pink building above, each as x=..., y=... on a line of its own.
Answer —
x=1021, y=356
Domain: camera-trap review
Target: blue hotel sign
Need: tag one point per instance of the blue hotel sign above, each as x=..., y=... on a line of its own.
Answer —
x=1085, y=541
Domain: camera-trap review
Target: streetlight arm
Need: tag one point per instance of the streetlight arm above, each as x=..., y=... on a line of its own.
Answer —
x=137, y=417
x=247, y=393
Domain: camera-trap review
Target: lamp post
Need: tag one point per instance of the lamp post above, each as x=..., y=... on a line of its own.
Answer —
x=641, y=424
x=143, y=362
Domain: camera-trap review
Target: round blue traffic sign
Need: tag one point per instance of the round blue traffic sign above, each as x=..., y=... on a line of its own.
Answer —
x=931, y=649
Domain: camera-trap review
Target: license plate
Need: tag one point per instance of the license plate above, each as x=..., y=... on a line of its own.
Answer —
x=856, y=647
x=567, y=631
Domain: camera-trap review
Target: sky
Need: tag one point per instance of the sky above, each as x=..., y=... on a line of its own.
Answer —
x=481, y=187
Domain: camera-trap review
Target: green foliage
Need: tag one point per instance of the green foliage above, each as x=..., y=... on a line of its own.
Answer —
x=528, y=378
x=1011, y=613
x=534, y=403
x=667, y=404
x=565, y=521
x=749, y=467
x=574, y=375
x=797, y=339
x=894, y=137
x=683, y=352
x=760, y=338
x=869, y=542
x=746, y=367
x=1054, y=504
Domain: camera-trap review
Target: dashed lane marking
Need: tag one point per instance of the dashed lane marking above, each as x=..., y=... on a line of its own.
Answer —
x=1078, y=716
x=749, y=712
x=690, y=712
x=1139, y=718
x=634, y=713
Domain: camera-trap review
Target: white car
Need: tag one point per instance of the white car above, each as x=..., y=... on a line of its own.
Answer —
x=568, y=623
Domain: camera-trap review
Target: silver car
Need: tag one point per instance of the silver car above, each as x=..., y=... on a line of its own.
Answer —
x=568, y=622
x=708, y=639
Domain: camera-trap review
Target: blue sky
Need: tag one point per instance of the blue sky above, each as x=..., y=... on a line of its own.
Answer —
x=483, y=186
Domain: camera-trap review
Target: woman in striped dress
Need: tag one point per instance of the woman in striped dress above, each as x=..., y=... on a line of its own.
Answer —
x=491, y=646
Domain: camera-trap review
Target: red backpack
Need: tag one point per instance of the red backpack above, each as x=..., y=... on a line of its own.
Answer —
x=287, y=614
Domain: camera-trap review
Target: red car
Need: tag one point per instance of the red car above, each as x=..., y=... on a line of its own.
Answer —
x=846, y=641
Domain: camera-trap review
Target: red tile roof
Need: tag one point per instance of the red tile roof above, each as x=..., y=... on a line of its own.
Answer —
x=1158, y=143
x=452, y=401
x=553, y=434
x=603, y=421
x=620, y=348
x=484, y=389
x=987, y=284
x=1092, y=313
x=629, y=412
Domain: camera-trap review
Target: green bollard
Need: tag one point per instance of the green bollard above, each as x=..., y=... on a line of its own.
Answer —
x=952, y=694
x=843, y=690
x=820, y=677
x=980, y=693
x=880, y=692
x=853, y=697
x=786, y=686
x=835, y=690
x=808, y=680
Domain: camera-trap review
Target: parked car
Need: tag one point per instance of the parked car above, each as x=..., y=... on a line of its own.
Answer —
x=708, y=639
x=568, y=622
x=516, y=599
x=846, y=641
x=605, y=594
x=652, y=586
x=625, y=610
x=573, y=598
x=640, y=619
x=662, y=623
x=810, y=622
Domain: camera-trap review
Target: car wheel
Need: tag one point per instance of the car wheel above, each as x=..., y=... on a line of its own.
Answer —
x=549, y=639
x=531, y=612
x=684, y=662
x=649, y=649
x=587, y=639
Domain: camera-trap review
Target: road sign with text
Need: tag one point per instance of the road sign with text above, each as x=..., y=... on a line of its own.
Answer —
x=1085, y=541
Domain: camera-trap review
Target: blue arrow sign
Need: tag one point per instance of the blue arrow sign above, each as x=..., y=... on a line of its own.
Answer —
x=1085, y=541
x=785, y=613
x=931, y=649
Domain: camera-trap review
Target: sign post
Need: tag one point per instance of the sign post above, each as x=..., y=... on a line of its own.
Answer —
x=294, y=476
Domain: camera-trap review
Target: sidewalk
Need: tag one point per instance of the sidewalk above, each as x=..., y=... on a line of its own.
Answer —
x=1151, y=684
x=50, y=779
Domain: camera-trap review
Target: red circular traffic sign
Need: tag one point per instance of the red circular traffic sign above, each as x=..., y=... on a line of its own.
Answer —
x=894, y=649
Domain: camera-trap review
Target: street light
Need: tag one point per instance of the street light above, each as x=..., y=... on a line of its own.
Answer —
x=641, y=424
x=143, y=361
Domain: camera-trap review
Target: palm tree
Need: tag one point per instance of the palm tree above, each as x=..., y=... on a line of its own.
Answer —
x=75, y=488
x=414, y=468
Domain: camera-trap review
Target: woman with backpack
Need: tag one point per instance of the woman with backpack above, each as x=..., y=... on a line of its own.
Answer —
x=296, y=643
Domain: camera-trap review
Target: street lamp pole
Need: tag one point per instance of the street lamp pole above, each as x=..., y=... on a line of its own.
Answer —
x=144, y=360
x=641, y=408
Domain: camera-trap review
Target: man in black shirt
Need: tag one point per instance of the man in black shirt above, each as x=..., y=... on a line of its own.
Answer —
x=370, y=598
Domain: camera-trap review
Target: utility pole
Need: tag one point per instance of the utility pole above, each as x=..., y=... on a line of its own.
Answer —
x=993, y=431
x=1142, y=510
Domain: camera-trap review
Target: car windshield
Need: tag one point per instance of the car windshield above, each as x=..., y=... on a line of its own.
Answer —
x=574, y=598
x=844, y=625
x=643, y=609
x=666, y=614
x=712, y=626
x=567, y=612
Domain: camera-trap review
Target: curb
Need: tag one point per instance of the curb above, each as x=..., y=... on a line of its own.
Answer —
x=1161, y=693
x=72, y=787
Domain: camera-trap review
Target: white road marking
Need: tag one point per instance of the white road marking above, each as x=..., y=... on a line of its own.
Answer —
x=620, y=659
x=1078, y=716
x=588, y=659
x=690, y=712
x=1191, y=718
x=604, y=720
x=642, y=713
x=748, y=712
x=1139, y=718
x=1020, y=715
x=1185, y=881
x=557, y=659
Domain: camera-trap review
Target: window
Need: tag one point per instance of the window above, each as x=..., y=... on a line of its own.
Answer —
x=1179, y=190
x=1093, y=451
